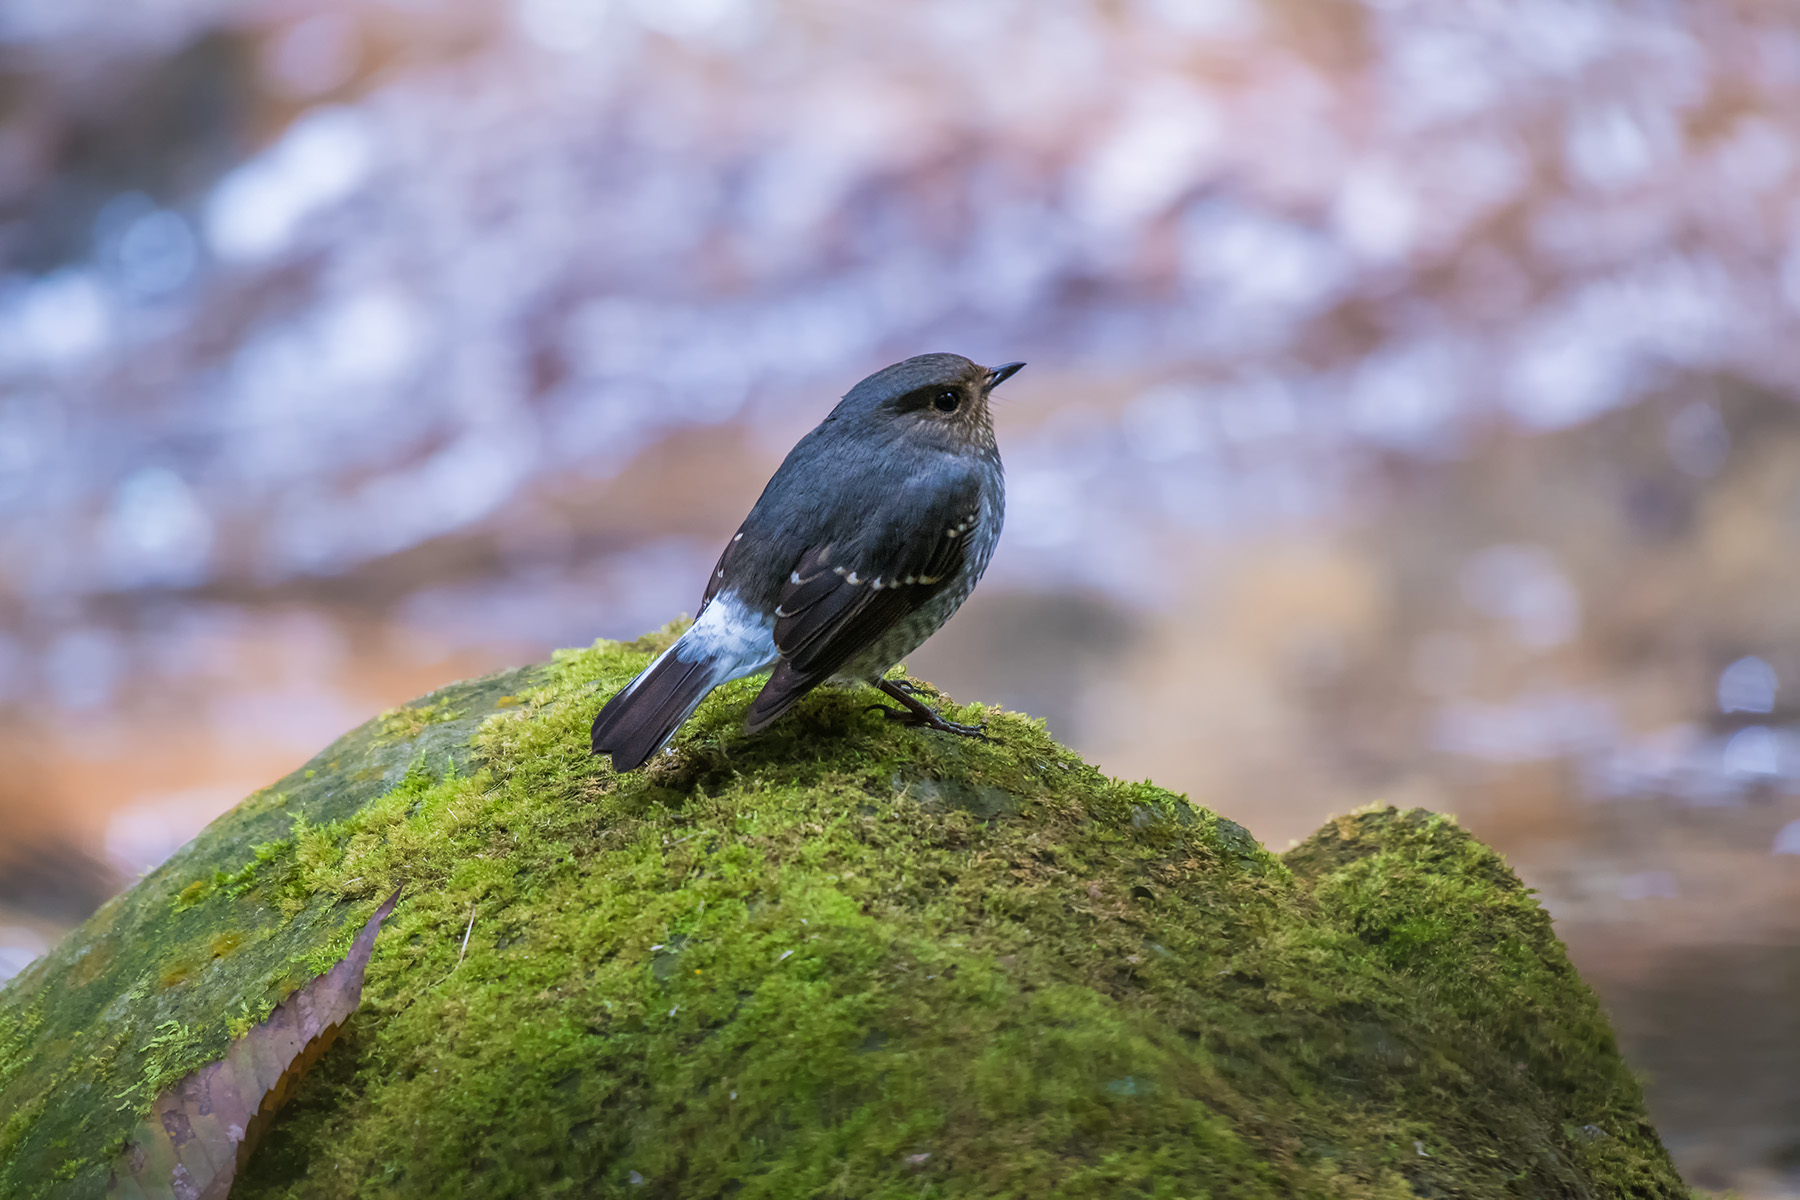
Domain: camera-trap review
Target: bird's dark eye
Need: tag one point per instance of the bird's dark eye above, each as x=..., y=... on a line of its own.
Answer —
x=946, y=400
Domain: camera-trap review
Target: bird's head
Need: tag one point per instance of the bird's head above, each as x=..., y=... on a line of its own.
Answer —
x=935, y=399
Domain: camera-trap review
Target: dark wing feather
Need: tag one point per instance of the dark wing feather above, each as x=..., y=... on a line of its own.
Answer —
x=830, y=611
x=717, y=579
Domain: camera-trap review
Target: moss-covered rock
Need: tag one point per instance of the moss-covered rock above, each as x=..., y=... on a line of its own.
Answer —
x=837, y=959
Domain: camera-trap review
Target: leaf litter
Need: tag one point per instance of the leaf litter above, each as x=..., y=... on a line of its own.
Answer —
x=201, y=1131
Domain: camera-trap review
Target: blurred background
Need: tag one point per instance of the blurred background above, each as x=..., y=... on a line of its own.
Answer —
x=1410, y=414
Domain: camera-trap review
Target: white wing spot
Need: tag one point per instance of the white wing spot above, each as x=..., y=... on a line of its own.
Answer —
x=721, y=572
x=840, y=570
x=912, y=579
x=782, y=612
x=951, y=532
x=738, y=538
x=851, y=578
x=794, y=577
x=929, y=578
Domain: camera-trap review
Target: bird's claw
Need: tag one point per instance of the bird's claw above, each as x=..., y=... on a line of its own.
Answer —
x=923, y=718
x=978, y=731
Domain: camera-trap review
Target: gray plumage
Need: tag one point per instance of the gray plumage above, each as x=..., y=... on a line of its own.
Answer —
x=874, y=530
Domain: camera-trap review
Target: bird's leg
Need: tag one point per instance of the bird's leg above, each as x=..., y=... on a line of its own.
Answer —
x=917, y=714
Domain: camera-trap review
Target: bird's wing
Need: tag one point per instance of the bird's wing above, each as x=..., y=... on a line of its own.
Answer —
x=717, y=579
x=838, y=600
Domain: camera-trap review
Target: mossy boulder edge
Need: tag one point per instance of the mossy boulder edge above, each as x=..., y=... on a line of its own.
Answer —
x=837, y=959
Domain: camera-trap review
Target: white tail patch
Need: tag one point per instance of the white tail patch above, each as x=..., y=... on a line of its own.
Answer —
x=735, y=640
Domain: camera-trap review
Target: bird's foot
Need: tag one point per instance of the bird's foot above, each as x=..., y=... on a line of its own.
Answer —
x=929, y=720
x=909, y=687
x=919, y=716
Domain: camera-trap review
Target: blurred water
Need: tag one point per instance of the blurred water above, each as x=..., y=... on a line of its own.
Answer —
x=441, y=276
x=1409, y=411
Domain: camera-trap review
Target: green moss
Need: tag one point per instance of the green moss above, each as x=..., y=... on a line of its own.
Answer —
x=233, y=883
x=847, y=959
x=168, y=1055
x=195, y=892
x=83, y=1028
x=407, y=722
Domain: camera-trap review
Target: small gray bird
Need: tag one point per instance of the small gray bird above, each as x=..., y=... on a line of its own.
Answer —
x=874, y=530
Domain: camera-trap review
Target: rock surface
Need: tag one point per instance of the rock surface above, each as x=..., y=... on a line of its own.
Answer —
x=836, y=959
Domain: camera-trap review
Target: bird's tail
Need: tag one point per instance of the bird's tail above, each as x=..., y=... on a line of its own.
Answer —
x=636, y=722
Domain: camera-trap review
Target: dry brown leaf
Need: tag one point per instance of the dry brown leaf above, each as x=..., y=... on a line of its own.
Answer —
x=202, y=1130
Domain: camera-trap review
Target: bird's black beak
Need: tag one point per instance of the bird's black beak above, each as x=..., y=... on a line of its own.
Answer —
x=1000, y=375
